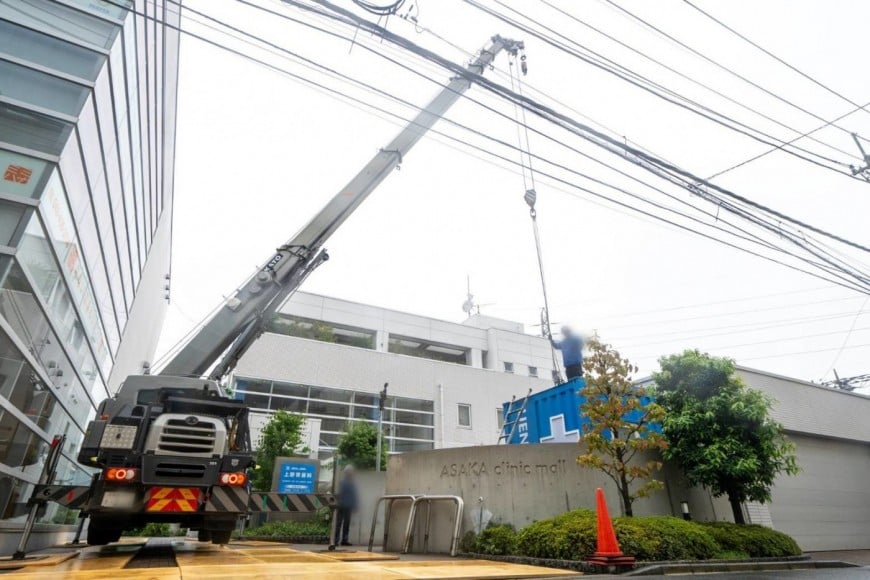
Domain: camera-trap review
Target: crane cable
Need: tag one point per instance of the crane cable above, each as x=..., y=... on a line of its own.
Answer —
x=530, y=196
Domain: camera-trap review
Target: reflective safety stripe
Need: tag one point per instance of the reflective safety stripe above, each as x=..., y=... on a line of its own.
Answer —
x=71, y=496
x=173, y=499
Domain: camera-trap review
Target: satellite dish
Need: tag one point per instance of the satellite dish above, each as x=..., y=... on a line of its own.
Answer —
x=468, y=305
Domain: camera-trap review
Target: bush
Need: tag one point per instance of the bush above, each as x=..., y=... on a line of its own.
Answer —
x=570, y=536
x=756, y=541
x=664, y=538
x=498, y=540
x=468, y=543
x=573, y=536
x=290, y=529
x=152, y=530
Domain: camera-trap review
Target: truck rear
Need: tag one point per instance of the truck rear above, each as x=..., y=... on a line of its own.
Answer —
x=169, y=450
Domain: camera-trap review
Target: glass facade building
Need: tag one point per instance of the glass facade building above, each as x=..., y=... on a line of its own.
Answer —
x=87, y=132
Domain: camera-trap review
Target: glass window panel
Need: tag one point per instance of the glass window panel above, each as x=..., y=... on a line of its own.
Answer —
x=412, y=432
x=22, y=175
x=464, y=417
x=329, y=439
x=288, y=404
x=331, y=394
x=400, y=446
x=59, y=224
x=32, y=130
x=253, y=401
x=290, y=390
x=49, y=52
x=18, y=305
x=115, y=195
x=253, y=385
x=333, y=424
x=366, y=399
x=116, y=9
x=327, y=408
x=54, y=18
x=35, y=256
x=370, y=413
x=40, y=89
x=130, y=74
x=10, y=216
x=413, y=404
x=412, y=418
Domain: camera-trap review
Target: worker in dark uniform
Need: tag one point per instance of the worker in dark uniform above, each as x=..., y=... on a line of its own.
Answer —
x=348, y=500
x=571, y=347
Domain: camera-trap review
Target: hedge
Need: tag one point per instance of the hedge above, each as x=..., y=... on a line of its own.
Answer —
x=289, y=529
x=752, y=540
x=573, y=536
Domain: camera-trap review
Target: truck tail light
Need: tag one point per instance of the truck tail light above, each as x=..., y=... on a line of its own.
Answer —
x=233, y=479
x=121, y=474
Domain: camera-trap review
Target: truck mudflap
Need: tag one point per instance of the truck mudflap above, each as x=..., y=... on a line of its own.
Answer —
x=72, y=496
x=239, y=500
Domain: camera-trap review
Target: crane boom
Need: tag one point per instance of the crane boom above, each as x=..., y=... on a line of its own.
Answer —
x=231, y=330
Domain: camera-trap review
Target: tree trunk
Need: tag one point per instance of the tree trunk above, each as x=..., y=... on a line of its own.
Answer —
x=736, y=509
x=626, y=496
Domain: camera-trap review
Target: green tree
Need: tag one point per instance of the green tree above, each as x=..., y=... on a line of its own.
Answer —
x=612, y=440
x=719, y=430
x=359, y=446
x=281, y=436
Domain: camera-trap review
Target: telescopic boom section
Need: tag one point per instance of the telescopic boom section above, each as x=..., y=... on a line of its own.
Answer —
x=230, y=331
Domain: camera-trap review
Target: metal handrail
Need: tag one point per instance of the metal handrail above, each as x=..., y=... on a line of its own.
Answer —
x=460, y=506
x=389, y=499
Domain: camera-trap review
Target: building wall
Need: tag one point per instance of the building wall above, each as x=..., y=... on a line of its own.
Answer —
x=87, y=131
x=320, y=364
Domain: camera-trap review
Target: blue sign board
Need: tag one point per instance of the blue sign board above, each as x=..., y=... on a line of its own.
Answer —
x=297, y=478
x=553, y=416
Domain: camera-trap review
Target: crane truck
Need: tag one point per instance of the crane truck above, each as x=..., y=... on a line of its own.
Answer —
x=172, y=446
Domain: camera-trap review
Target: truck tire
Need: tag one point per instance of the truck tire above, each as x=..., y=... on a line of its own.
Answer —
x=221, y=536
x=99, y=534
x=203, y=536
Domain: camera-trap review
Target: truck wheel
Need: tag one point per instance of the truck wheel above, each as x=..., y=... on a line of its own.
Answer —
x=99, y=535
x=221, y=536
x=203, y=536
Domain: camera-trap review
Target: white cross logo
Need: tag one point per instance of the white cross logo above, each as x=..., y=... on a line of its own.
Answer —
x=558, y=433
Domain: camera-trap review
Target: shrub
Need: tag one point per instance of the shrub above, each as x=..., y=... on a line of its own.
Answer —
x=152, y=530
x=498, y=540
x=664, y=538
x=468, y=543
x=756, y=541
x=570, y=536
x=290, y=529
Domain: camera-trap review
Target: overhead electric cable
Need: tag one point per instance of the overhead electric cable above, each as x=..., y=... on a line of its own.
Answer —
x=779, y=60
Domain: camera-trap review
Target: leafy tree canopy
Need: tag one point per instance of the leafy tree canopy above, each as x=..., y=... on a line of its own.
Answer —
x=359, y=445
x=719, y=430
x=281, y=436
x=619, y=416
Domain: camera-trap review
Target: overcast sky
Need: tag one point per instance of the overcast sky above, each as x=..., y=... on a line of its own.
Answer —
x=259, y=153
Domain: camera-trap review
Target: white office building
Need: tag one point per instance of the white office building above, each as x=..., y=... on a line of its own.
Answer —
x=327, y=359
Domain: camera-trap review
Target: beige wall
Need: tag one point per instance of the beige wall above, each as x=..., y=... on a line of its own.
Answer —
x=520, y=484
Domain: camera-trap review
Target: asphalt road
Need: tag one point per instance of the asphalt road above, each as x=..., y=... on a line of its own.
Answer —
x=822, y=574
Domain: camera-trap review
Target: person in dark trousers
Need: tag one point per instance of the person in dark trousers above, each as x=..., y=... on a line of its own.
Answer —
x=571, y=347
x=347, y=504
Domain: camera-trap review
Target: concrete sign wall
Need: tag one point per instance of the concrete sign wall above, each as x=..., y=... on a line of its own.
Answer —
x=519, y=484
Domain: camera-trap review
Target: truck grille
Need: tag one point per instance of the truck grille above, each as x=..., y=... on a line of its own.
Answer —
x=167, y=469
x=179, y=437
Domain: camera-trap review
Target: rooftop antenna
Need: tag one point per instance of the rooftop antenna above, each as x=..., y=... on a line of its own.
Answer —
x=468, y=306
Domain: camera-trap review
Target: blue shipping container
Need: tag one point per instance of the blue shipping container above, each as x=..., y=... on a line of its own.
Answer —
x=553, y=416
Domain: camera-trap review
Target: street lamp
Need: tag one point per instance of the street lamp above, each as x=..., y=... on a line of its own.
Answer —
x=382, y=400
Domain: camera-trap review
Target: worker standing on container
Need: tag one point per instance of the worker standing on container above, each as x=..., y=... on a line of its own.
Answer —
x=571, y=347
x=347, y=504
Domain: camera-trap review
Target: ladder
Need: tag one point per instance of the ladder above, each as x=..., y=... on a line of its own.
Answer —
x=512, y=417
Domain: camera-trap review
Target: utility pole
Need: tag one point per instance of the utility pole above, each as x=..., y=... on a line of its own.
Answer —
x=382, y=401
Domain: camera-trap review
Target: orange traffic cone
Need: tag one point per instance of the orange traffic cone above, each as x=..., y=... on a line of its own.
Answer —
x=608, y=552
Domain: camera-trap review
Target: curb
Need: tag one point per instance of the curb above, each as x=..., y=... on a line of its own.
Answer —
x=288, y=539
x=802, y=561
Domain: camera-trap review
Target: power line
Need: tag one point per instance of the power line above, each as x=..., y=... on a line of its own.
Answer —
x=570, y=184
x=657, y=90
x=721, y=66
x=688, y=78
x=778, y=59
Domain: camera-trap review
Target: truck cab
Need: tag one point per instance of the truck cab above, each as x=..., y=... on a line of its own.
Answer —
x=162, y=445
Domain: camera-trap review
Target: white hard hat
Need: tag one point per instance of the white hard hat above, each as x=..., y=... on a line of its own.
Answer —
x=347, y=468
